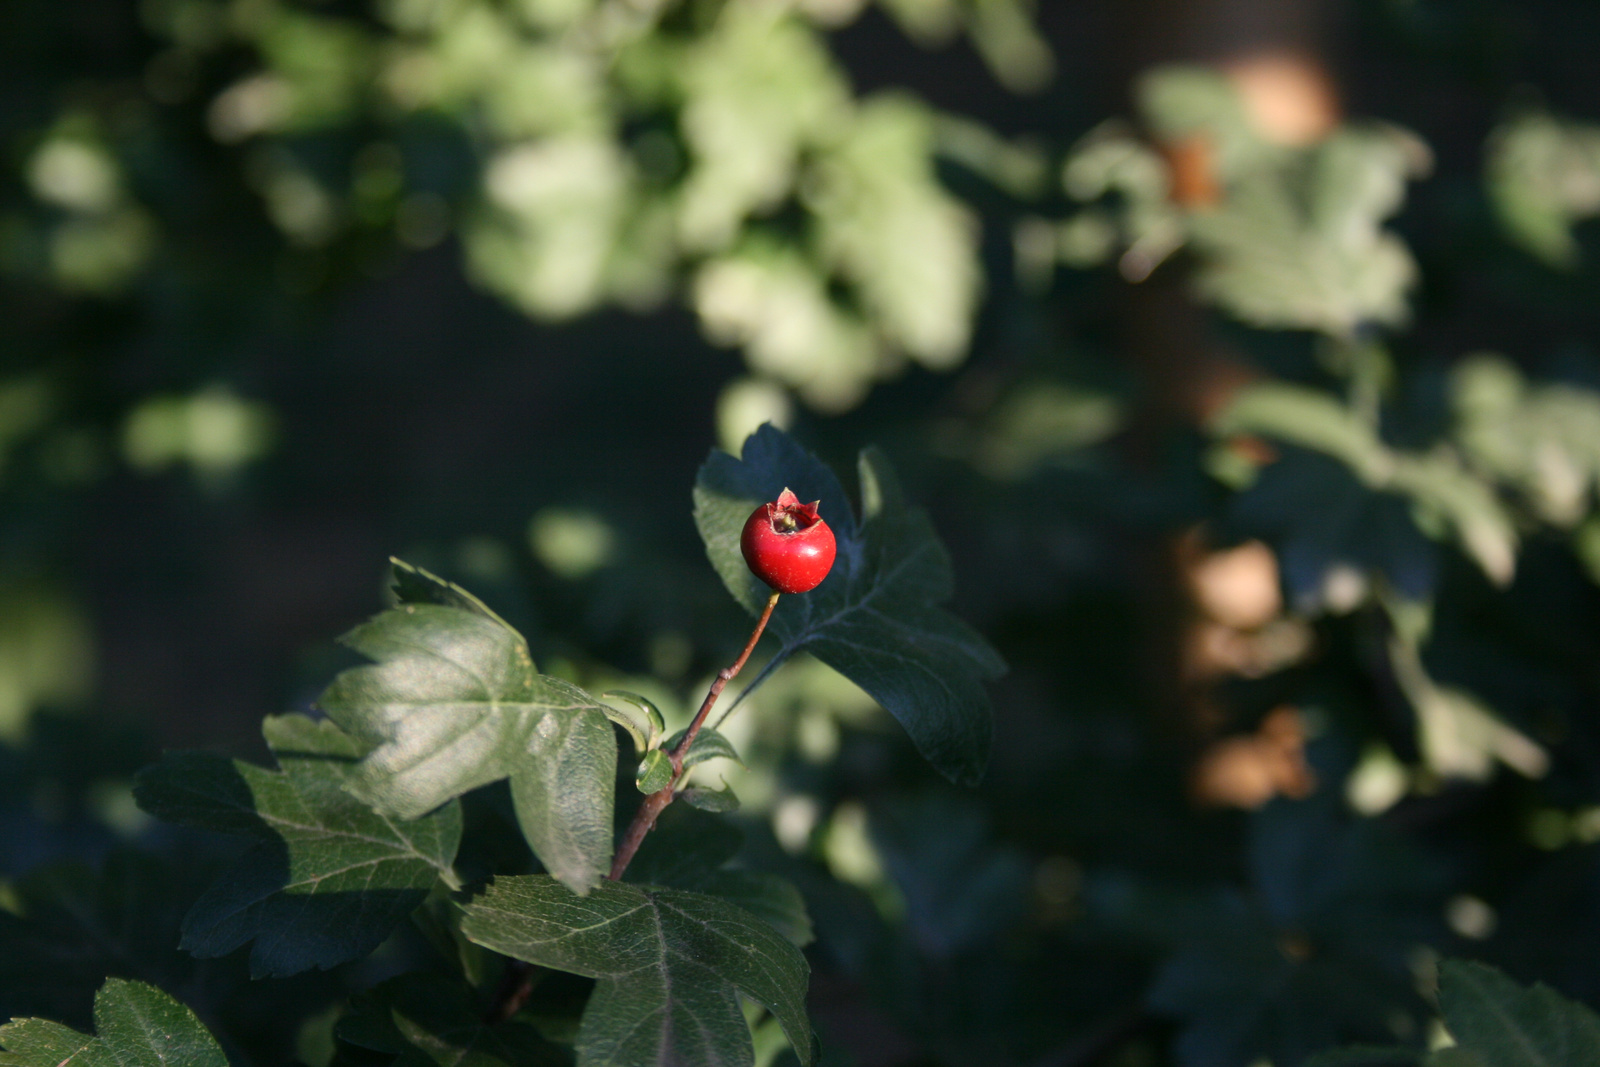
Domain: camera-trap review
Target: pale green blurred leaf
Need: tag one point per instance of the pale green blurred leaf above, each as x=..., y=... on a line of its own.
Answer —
x=886, y=225
x=1541, y=440
x=1543, y=175
x=1509, y=1025
x=1303, y=247
x=557, y=210
x=777, y=306
x=1448, y=499
x=758, y=90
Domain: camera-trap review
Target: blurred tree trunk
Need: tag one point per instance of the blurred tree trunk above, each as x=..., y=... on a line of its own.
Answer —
x=1276, y=53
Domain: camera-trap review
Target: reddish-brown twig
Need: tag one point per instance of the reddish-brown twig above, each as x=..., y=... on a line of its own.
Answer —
x=653, y=805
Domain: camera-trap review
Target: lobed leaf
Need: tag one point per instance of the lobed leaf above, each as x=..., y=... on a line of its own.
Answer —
x=1509, y=1025
x=875, y=619
x=327, y=878
x=434, y=1018
x=136, y=1025
x=453, y=702
x=654, y=773
x=691, y=849
x=669, y=967
x=708, y=799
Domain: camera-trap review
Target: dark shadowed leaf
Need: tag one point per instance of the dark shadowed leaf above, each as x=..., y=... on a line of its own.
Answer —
x=453, y=702
x=708, y=799
x=875, y=618
x=327, y=878
x=669, y=967
x=1509, y=1025
x=136, y=1025
x=691, y=849
x=442, y=1019
x=708, y=744
x=1314, y=956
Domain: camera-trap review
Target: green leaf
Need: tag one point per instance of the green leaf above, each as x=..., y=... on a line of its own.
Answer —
x=136, y=1025
x=875, y=618
x=453, y=703
x=1367, y=1056
x=1300, y=245
x=441, y=1018
x=1510, y=1025
x=685, y=844
x=327, y=878
x=669, y=966
x=708, y=744
x=645, y=725
x=1311, y=418
x=655, y=772
x=1445, y=496
x=690, y=849
x=714, y=800
x=413, y=585
x=1541, y=176
x=762, y=894
x=65, y=926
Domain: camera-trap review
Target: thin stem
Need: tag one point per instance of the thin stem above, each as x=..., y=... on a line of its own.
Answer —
x=644, y=820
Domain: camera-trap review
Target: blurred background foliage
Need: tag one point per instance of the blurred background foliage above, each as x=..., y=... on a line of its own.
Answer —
x=1245, y=354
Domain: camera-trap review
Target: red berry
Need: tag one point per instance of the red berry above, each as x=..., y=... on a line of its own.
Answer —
x=787, y=545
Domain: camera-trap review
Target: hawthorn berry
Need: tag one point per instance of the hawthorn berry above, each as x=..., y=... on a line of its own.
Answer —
x=787, y=545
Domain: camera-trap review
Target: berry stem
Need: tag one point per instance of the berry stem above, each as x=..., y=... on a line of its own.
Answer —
x=644, y=820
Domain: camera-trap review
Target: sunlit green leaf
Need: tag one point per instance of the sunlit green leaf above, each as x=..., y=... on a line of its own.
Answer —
x=413, y=585
x=1543, y=175
x=655, y=772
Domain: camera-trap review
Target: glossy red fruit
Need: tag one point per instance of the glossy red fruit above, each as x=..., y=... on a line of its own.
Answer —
x=787, y=545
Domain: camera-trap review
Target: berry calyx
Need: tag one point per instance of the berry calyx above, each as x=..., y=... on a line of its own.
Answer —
x=787, y=545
